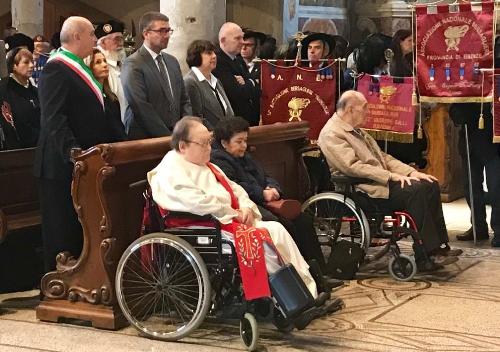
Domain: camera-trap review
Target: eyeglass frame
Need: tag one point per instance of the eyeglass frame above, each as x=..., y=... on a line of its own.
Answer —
x=203, y=145
x=163, y=31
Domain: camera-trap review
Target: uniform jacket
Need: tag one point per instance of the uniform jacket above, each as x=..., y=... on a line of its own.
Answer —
x=245, y=99
x=71, y=117
x=204, y=102
x=151, y=111
x=245, y=172
x=350, y=154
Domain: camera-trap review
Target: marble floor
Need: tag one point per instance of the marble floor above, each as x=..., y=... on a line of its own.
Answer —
x=456, y=309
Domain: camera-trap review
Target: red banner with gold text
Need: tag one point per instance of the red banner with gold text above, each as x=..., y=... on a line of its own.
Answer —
x=391, y=114
x=453, y=44
x=291, y=93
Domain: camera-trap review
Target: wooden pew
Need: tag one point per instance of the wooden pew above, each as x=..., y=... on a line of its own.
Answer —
x=109, y=207
x=19, y=204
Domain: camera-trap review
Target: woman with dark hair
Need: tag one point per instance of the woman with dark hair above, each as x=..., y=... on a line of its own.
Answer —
x=208, y=98
x=99, y=66
x=20, y=121
x=402, y=47
x=229, y=152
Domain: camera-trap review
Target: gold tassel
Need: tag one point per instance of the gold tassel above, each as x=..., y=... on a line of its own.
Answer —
x=414, y=99
x=481, y=122
x=420, y=132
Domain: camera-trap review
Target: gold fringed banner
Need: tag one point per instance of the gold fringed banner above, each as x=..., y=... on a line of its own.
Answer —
x=452, y=48
x=391, y=114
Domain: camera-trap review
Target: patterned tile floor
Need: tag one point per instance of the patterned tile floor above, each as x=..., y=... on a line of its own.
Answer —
x=456, y=309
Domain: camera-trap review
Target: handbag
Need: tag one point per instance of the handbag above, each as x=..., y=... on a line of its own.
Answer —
x=290, y=291
x=345, y=259
x=287, y=208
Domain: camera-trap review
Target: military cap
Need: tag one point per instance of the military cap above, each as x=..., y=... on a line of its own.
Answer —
x=111, y=26
x=17, y=40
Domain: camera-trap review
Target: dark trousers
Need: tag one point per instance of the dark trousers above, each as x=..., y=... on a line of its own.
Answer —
x=302, y=231
x=61, y=230
x=482, y=163
x=422, y=200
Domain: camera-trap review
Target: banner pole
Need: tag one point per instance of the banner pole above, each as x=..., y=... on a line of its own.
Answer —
x=471, y=192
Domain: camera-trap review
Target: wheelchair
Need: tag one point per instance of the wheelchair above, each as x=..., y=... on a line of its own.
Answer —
x=341, y=213
x=173, y=277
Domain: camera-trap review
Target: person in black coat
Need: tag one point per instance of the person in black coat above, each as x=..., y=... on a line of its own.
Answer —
x=242, y=91
x=72, y=116
x=484, y=159
x=229, y=153
x=20, y=121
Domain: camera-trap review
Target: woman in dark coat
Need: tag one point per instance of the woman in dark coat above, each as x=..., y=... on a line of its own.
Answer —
x=229, y=153
x=20, y=120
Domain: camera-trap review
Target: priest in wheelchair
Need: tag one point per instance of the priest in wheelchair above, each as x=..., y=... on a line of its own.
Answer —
x=385, y=182
x=185, y=181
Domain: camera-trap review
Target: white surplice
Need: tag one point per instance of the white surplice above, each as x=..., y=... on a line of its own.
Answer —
x=179, y=185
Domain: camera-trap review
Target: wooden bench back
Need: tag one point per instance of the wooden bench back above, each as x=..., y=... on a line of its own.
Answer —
x=19, y=204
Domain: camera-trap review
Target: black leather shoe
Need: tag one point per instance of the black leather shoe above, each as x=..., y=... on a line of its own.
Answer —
x=481, y=234
x=321, y=299
x=495, y=242
x=305, y=318
x=331, y=283
x=428, y=266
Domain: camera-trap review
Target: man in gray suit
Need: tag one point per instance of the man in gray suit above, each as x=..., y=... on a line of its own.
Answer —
x=152, y=83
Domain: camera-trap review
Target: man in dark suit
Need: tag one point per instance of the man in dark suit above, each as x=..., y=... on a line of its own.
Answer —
x=252, y=41
x=153, y=84
x=72, y=116
x=242, y=91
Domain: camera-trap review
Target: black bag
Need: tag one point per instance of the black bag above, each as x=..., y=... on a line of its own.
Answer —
x=290, y=291
x=345, y=259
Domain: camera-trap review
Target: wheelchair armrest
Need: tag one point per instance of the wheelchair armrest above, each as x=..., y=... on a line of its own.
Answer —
x=348, y=180
x=195, y=217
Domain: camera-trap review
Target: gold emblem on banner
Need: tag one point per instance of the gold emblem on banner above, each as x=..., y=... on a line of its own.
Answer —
x=453, y=36
x=296, y=106
x=386, y=93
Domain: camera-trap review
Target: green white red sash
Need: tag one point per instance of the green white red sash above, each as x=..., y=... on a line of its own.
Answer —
x=76, y=64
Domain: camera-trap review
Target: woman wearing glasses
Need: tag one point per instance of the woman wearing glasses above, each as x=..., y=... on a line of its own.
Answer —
x=208, y=99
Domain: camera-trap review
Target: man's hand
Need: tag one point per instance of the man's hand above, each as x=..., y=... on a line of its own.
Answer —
x=240, y=80
x=271, y=194
x=402, y=179
x=245, y=216
x=422, y=176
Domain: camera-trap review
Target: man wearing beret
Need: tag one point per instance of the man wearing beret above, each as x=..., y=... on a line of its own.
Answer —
x=110, y=41
x=40, y=56
x=250, y=50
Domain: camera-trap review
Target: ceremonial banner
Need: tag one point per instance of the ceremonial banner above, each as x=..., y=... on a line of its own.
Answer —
x=391, y=114
x=452, y=47
x=291, y=93
x=496, y=108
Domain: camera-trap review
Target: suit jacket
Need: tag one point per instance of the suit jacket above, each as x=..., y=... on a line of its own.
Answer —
x=245, y=172
x=204, y=102
x=151, y=111
x=359, y=156
x=245, y=99
x=71, y=117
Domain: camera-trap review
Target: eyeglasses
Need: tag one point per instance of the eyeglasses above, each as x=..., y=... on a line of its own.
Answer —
x=162, y=31
x=204, y=144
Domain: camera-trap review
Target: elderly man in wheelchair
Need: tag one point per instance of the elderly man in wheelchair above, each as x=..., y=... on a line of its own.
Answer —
x=385, y=182
x=208, y=218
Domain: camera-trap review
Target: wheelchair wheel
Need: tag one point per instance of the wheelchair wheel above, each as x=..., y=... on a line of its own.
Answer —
x=249, y=331
x=402, y=267
x=336, y=217
x=162, y=286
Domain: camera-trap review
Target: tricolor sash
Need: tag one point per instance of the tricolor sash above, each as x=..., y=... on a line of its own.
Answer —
x=76, y=64
x=249, y=245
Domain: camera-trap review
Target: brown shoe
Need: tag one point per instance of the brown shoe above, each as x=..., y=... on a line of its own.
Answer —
x=443, y=260
x=469, y=236
x=447, y=251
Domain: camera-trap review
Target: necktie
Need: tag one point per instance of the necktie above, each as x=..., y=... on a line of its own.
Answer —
x=164, y=73
x=217, y=95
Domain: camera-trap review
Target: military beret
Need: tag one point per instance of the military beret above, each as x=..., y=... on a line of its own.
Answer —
x=17, y=40
x=259, y=36
x=39, y=38
x=111, y=26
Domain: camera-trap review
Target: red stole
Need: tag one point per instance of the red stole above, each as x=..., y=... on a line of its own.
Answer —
x=249, y=245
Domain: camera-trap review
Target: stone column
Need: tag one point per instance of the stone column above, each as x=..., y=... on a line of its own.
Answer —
x=191, y=20
x=27, y=16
